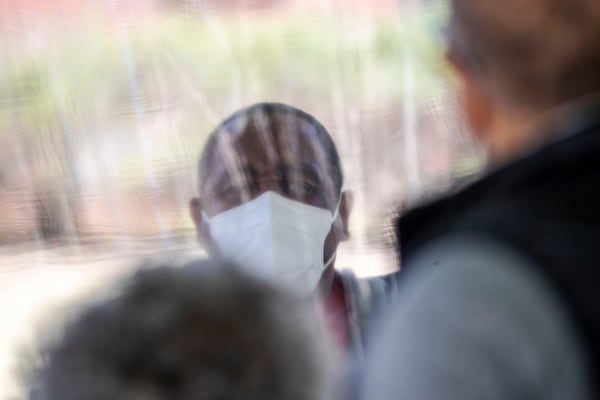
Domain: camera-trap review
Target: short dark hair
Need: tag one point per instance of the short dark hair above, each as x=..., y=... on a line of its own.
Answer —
x=269, y=110
x=540, y=53
x=203, y=332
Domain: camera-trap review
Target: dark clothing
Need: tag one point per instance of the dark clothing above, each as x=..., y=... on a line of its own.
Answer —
x=546, y=208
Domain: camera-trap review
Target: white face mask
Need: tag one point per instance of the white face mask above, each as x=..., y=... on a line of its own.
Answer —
x=276, y=238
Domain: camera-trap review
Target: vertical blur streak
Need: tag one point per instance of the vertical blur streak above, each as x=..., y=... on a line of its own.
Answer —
x=342, y=109
x=71, y=187
x=133, y=72
x=410, y=121
x=226, y=44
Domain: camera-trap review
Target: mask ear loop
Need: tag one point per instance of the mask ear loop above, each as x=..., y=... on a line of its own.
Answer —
x=337, y=209
x=333, y=218
x=205, y=217
x=328, y=263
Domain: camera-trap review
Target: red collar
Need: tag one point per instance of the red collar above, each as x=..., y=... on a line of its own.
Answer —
x=336, y=314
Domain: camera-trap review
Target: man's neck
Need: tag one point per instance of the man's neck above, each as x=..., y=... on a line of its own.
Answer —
x=326, y=283
x=518, y=133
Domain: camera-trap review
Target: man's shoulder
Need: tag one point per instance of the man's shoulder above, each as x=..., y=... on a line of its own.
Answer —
x=463, y=294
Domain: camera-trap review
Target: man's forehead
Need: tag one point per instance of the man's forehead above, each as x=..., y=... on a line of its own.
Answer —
x=275, y=137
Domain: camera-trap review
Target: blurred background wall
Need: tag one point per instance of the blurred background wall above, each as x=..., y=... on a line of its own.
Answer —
x=105, y=106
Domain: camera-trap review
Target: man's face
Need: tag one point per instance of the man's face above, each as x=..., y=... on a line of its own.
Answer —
x=280, y=153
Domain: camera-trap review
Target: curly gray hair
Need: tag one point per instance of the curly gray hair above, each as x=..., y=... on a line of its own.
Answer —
x=202, y=332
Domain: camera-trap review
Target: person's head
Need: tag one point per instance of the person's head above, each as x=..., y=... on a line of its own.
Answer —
x=277, y=165
x=202, y=332
x=520, y=59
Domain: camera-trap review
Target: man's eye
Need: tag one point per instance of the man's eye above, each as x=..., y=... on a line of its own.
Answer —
x=300, y=189
x=230, y=192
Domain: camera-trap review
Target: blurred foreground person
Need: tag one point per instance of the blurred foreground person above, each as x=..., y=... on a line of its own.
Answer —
x=271, y=202
x=501, y=298
x=203, y=332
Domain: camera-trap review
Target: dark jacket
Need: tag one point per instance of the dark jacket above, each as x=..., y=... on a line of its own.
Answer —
x=546, y=206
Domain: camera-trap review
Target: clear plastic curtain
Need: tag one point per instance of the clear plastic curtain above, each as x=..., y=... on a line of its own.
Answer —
x=106, y=107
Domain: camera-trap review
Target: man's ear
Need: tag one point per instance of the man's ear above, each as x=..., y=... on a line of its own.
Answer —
x=474, y=97
x=195, y=211
x=196, y=214
x=346, y=204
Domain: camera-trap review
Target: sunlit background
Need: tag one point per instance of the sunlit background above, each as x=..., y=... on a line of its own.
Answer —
x=105, y=106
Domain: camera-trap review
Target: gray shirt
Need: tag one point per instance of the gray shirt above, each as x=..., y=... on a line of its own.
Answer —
x=474, y=321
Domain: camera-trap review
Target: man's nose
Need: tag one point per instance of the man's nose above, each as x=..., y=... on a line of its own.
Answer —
x=271, y=183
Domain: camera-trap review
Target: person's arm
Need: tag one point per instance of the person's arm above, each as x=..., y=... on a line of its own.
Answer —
x=474, y=321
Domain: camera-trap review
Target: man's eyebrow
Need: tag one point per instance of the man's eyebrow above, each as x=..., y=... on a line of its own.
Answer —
x=305, y=169
x=227, y=174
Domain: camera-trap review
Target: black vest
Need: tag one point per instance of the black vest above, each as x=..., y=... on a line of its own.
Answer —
x=547, y=208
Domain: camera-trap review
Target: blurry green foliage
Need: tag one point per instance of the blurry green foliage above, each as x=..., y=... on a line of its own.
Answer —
x=102, y=75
